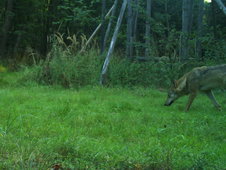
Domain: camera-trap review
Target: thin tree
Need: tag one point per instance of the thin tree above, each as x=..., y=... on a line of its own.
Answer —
x=135, y=20
x=199, y=29
x=191, y=5
x=148, y=29
x=51, y=10
x=103, y=25
x=186, y=28
x=112, y=45
x=6, y=27
x=129, y=34
x=167, y=16
x=213, y=8
x=135, y=16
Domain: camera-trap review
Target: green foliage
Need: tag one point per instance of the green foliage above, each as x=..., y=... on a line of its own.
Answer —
x=218, y=53
x=73, y=12
x=127, y=73
x=66, y=69
x=107, y=128
x=28, y=26
x=69, y=70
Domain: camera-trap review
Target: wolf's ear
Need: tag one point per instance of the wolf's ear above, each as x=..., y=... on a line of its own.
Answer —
x=182, y=84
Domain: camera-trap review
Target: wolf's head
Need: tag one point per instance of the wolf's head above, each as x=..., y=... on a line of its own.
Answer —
x=171, y=97
x=176, y=91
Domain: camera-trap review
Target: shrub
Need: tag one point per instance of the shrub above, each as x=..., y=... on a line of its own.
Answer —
x=2, y=69
x=68, y=70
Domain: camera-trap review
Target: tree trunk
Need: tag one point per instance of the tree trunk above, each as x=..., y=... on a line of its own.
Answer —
x=186, y=28
x=50, y=7
x=129, y=44
x=135, y=16
x=167, y=17
x=110, y=22
x=221, y=6
x=103, y=26
x=199, y=29
x=6, y=27
x=214, y=18
x=112, y=45
x=191, y=5
x=148, y=29
x=135, y=20
x=17, y=44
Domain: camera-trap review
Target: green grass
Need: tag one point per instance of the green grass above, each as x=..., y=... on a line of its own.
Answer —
x=107, y=128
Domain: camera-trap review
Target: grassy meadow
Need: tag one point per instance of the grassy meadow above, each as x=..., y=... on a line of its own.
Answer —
x=43, y=127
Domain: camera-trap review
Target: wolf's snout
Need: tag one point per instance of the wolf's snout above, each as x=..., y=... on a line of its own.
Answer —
x=168, y=103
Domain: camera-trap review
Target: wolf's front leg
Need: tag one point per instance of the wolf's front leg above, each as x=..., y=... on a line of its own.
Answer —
x=190, y=100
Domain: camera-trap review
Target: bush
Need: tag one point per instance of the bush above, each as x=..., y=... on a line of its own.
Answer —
x=127, y=73
x=68, y=70
x=65, y=69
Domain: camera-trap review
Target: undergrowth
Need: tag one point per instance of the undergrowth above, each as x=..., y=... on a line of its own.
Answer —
x=78, y=70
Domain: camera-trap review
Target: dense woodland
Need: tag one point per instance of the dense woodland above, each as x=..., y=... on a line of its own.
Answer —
x=172, y=31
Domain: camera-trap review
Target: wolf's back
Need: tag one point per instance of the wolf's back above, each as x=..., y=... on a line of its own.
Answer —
x=210, y=77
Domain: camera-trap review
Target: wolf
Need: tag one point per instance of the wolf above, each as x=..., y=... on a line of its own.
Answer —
x=200, y=79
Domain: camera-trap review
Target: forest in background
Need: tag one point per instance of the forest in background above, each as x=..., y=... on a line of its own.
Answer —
x=166, y=34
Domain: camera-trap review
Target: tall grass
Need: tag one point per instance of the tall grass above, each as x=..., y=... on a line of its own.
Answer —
x=79, y=70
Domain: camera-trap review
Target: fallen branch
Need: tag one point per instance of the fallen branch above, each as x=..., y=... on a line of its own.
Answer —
x=94, y=33
x=221, y=6
x=112, y=45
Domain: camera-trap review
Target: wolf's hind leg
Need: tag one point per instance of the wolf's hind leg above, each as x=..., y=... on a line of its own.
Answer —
x=210, y=94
